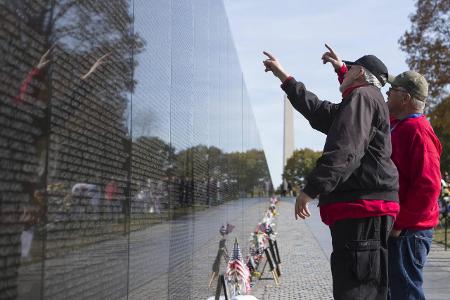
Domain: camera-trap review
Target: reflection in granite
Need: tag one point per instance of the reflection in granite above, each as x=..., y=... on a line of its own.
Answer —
x=121, y=123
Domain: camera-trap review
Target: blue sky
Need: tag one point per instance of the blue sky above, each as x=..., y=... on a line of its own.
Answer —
x=295, y=32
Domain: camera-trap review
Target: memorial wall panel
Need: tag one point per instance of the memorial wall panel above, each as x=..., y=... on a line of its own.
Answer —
x=89, y=158
x=152, y=153
x=24, y=102
x=127, y=141
x=181, y=118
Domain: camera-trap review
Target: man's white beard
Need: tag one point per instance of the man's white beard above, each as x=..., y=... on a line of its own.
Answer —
x=346, y=84
x=343, y=87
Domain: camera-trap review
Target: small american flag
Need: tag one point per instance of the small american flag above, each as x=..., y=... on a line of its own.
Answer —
x=237, y=270
x=237, y=254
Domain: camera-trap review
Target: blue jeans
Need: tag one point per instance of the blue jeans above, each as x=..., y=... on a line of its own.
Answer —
x=407, y=257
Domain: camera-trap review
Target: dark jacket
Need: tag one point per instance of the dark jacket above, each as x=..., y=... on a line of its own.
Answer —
x=356, y=162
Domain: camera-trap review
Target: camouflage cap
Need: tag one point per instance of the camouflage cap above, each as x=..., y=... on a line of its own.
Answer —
x=412, y=82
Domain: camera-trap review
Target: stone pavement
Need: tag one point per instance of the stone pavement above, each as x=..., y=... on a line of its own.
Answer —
x=190, y=280
x=305, y=267
x=305, y=248
x=437, y=273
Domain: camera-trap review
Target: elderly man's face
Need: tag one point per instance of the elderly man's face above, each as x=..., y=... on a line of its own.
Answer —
x=353, y=75
x=396, y=100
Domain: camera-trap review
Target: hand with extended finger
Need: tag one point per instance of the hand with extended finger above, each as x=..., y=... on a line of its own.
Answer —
x=301, y=206
x=274, y=66
x=331, y=57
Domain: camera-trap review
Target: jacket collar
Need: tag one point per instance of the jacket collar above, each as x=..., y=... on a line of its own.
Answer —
x=349, y=90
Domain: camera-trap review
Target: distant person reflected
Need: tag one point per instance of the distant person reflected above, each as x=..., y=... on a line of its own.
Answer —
x=91, y=192
x=29, y=219
x=160, y=194
x=111, y=194
x=142, y=200
x=355, y=179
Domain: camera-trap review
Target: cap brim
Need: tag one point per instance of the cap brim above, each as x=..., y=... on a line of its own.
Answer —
x=349, y=63
x=391, y=78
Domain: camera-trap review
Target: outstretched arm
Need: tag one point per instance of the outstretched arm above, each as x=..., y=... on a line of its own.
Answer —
x=98, y=63
x=274, y=66
x=320, y=114
x=34, y=72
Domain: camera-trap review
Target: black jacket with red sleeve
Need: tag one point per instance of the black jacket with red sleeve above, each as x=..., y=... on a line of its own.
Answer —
x=356, y=162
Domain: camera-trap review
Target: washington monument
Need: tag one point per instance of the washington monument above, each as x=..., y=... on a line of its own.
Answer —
x=288, y=135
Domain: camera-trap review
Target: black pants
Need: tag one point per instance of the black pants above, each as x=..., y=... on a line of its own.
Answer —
x=359, y=262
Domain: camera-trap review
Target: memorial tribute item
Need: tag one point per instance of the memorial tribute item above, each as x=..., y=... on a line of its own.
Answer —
x=221, y=252
x=238, y=274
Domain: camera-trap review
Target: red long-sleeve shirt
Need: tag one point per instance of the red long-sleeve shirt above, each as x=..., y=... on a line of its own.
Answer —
x=416, y=152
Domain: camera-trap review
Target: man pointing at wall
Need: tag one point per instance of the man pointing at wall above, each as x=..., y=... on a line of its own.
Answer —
x=355, y=179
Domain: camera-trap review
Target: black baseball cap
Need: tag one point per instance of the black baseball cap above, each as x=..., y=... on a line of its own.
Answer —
x=373, y=64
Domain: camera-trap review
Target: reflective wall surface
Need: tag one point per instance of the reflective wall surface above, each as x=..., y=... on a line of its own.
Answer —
x=127, y=139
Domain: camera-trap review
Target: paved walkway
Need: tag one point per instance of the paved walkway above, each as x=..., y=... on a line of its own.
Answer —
x=305, y=267
x=305, y=251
